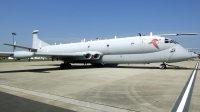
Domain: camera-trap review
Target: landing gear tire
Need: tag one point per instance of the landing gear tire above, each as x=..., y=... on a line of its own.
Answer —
x=62, y=65
x=65, y=66
x=163, y=66
x=69, y=66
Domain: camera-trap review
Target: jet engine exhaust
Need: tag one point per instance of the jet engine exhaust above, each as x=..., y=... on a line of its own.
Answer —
x=88, y=56
x=96, y=56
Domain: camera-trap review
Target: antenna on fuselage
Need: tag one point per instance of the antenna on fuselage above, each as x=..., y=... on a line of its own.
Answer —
x=83, y=40
x=139, y=34
x=151, y=34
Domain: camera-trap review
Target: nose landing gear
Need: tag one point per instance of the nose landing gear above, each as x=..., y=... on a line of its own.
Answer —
x=163, y=66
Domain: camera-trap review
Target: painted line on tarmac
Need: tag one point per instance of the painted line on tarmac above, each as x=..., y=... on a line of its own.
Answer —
x=183, y=102
x=90, y=105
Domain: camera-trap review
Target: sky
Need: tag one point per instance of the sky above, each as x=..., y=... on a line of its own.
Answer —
x=65, y=21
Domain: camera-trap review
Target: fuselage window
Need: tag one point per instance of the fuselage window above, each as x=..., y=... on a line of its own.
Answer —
x=108, y=45
x=166, y=40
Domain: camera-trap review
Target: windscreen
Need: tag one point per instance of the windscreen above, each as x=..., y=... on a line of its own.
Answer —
x=170, y=41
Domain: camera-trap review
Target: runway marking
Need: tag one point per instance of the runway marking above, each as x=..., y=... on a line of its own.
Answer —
x=183, y=102
x=90, y=105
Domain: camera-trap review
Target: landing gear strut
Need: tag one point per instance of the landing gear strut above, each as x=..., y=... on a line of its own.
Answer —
x=65, y=65
x=163, y=66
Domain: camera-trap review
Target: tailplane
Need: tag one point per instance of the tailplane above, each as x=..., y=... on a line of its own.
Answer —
x=37, y=43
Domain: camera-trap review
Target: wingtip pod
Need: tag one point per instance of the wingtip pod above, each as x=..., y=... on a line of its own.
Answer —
x=23, y=54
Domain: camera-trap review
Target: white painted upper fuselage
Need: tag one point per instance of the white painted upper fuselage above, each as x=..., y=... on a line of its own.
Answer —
x=138, y=49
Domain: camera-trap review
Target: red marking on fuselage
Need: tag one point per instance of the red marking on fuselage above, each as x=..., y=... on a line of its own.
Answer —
x=154, y=43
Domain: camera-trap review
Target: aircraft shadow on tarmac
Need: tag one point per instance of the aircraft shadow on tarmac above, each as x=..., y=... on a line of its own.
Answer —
x=42, y=70
x=57, y=68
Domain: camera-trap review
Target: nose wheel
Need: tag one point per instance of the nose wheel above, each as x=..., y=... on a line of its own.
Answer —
x=163, y=66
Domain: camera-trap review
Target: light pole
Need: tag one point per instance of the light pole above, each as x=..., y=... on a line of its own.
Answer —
x=13, y=40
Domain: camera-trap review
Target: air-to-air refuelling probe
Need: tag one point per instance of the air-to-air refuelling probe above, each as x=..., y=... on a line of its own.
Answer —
x=137, y=49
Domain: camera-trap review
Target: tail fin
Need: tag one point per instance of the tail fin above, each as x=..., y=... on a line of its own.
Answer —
x=37, y=43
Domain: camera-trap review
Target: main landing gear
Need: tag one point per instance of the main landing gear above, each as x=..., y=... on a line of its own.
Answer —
x=65, y=65
x=163, y=66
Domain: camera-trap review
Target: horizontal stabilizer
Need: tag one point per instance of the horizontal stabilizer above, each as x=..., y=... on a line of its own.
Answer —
x=22, y=47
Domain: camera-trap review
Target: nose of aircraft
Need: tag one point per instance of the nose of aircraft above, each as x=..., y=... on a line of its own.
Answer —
x=180, y=54
x=194, y=55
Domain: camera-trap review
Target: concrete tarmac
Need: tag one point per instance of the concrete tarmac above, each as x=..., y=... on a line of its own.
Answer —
x=133, y=87
x=11, y=103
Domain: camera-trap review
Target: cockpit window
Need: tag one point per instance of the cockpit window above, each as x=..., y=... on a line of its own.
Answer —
x=170, y=41
x=166, y=40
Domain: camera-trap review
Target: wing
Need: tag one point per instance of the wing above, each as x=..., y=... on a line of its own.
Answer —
x=178, y=34
x=83, y=55
x=59, y=54
x=26, y=54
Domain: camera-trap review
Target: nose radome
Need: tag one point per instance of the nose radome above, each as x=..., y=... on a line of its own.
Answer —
x=179, y=54
x=194, y=55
